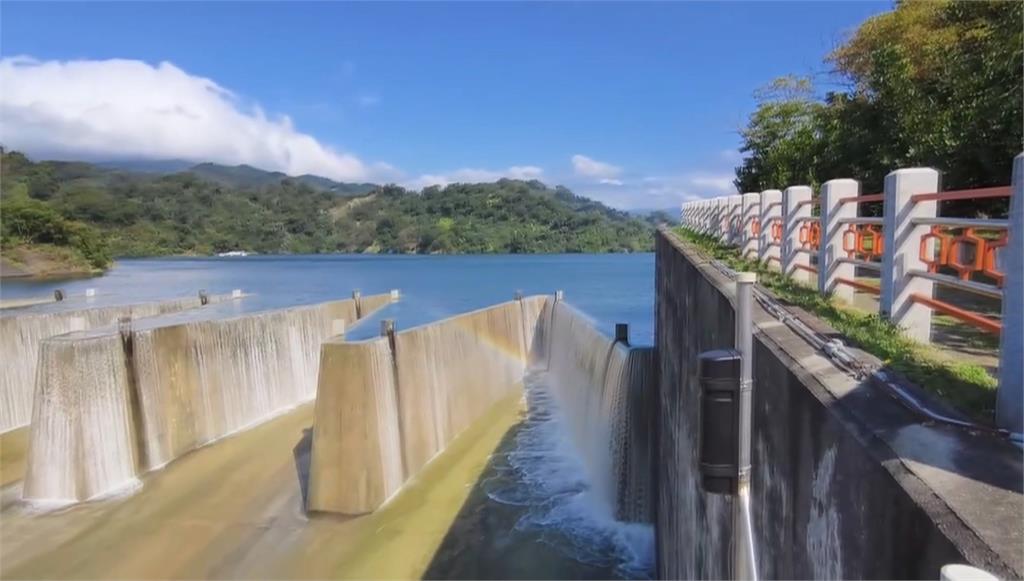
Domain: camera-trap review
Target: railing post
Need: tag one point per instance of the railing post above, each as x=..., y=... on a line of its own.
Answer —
x=796, y=207
x=735, y=204
x=1010, y=397
x=684, y=214
x=903, y=250
x=770, y=251
x=830, y=250
x=751, y=210
x=722, y=219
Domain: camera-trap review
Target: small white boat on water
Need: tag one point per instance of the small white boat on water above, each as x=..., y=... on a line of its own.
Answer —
x=234, y=253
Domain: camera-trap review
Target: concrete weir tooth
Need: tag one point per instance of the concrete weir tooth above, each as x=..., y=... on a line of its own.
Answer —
x=114, y=402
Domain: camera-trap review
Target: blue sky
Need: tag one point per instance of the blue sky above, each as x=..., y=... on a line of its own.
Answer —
x=634, y=104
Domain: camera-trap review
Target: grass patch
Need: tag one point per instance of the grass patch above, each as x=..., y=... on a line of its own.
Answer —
x=966, y=386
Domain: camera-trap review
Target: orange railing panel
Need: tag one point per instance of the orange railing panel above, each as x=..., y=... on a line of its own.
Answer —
x=967, y=253
x=776, y=230
x=809, y=235
x=863, y=241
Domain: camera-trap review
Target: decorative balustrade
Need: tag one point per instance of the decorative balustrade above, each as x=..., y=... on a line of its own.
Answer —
x=910, y=246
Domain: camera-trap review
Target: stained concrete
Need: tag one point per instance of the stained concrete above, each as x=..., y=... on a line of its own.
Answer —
x=22, y=332
x=846, y=482
x=235, y=510
x=112, y=403
x=386, y=406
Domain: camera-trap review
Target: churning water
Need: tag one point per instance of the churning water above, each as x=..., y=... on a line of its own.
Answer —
x=546, y=477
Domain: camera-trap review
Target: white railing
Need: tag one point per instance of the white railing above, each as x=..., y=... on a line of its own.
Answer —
x=910, y=247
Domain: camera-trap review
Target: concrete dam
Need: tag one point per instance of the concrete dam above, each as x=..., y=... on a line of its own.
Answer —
x=519, y=440
x=22, y=332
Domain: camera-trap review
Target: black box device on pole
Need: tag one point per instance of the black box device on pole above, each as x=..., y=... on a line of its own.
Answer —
x=719, y=420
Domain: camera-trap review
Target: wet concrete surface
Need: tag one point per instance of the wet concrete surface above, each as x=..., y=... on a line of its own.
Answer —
x=13, y=447
x=234, y=509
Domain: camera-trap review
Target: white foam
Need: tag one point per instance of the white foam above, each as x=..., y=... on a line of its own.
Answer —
x=549, y=478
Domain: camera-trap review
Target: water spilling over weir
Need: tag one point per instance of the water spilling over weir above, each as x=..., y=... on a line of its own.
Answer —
x=404, y=398
x=112, y=403
x=23, y=330
x=116, y=403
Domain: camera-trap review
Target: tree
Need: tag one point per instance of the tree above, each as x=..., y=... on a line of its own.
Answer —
x=781, y=139
x=931, y=83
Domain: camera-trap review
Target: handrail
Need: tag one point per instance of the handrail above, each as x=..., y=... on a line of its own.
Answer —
x=861, y=263
x=962, y=222
x=859, y=285
x=975, y=194
x=861, y=220
x=862, y=199
x=967, y=285
x=973, y=319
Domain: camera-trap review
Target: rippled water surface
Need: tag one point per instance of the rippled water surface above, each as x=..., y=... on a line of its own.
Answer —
x=612, y=288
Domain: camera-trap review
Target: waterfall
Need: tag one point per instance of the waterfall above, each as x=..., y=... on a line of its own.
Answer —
x=21, y=334
x=177, y=385
x=603, y=389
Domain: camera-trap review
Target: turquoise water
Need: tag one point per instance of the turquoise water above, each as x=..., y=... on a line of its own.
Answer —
x=611, y=288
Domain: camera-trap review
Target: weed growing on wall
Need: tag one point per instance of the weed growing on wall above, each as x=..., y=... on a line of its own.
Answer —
x=966, y=386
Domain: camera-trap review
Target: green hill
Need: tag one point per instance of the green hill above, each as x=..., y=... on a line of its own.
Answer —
x=212, y=208
x=246, y=176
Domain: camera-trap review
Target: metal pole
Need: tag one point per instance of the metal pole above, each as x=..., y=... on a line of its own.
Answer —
x=744, y=559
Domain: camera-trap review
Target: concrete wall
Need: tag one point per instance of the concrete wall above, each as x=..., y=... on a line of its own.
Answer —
x=846, y=483
x=111, y=405
x=383, y=411
x=21, y=334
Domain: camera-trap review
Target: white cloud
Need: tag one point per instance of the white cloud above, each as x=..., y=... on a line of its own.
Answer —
x=720, y=183
x=472, y=176
x=113, y=109
x=591, y=168
x=610, y=182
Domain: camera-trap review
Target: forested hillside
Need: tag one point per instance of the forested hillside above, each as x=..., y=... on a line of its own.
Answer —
x=931, y=83
x=212, y=209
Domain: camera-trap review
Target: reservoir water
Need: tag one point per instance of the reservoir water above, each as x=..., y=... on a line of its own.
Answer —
x=611, y=288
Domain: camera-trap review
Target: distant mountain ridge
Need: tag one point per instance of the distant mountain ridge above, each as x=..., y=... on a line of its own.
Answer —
x=237, y=176
x=211, y=208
